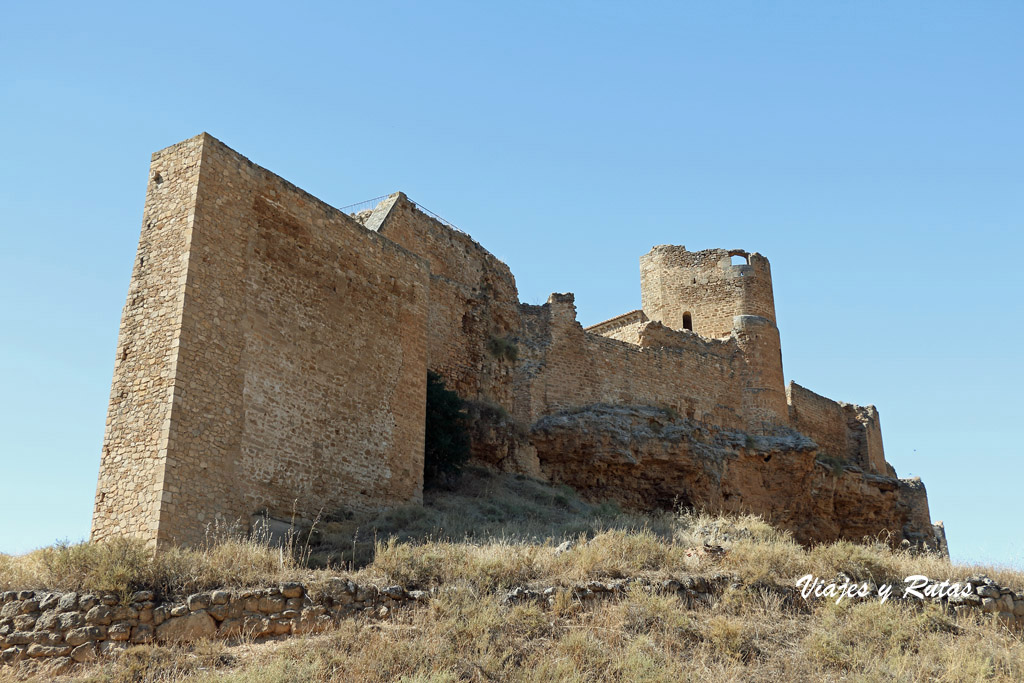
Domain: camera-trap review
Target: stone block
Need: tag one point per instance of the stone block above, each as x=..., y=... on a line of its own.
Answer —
x=192, y=626
x=84, y=653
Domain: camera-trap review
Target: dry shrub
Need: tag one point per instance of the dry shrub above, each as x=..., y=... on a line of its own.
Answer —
x=124, y=565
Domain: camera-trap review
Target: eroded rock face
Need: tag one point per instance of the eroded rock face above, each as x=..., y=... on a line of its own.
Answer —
x=645, y=457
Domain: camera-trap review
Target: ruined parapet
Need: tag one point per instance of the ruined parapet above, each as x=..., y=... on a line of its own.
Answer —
x=918, y=530
x=703, y=291
x=845, y=431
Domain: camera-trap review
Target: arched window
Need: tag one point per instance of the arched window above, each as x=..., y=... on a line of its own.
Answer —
x=687, y=322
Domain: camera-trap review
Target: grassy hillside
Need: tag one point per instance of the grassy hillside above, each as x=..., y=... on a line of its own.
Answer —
x=499, y=532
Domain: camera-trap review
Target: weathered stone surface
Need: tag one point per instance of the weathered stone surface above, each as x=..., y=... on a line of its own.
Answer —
x=220, y=597
x=393, y=592
x=25, y=622
x=230, y=627
x=119, y=631
x=84, y=653
x=48, y=620
x=36, y=650
x=143, y=633
x=70, y=620
x=269, y=604
x=59, y=666
x=988, y=591
x=255, y=625
x=656, y=459
x=198, y=601
x=193, y=626
x=24, y=637
x=112, y=648
x=86, y=634
x=291, y=590
x=365, y=593
x=67, y=602
x=100, y=614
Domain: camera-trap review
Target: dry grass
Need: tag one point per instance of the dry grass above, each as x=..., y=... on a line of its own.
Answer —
x=501, y=531
x=467, y=635
x=126, y=565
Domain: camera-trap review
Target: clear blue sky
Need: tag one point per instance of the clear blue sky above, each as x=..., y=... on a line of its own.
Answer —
x=873, y=151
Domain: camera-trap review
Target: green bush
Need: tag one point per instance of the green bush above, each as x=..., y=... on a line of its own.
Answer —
x=502, y=347
x=446, y=447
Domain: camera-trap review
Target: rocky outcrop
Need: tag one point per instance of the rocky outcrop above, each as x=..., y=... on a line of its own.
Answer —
x=646, y=457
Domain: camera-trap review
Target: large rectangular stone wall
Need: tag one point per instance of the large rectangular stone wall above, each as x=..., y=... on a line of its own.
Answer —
x=300, y=359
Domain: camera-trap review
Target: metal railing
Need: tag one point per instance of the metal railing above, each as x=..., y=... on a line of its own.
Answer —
x=372, y=203
x=363, y=205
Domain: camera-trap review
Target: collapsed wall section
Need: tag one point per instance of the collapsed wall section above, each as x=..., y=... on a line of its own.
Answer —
x=300, y=375
x=841, y=430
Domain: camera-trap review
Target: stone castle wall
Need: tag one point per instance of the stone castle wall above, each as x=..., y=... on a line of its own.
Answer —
x=473, y=299
x=567, y=367
x=290, y=391
x=273, y=354
x=841, y=430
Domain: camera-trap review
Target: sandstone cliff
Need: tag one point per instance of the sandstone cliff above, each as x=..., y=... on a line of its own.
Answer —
x=646, y=457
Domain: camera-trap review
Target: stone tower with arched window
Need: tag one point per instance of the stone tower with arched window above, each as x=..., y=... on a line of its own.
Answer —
x=720, y=293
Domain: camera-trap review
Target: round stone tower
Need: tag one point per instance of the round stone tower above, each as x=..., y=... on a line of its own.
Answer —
x=720, y=293
x=703, y=290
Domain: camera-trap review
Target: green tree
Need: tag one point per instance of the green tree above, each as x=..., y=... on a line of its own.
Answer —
x=446, y=447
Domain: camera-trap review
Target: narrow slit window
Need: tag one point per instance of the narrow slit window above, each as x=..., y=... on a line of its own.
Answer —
x=687, y=322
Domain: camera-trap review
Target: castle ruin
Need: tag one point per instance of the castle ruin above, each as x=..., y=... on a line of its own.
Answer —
x=273, y=354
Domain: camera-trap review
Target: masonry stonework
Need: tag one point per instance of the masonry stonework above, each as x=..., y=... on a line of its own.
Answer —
x=273, y=353
x=272, y=357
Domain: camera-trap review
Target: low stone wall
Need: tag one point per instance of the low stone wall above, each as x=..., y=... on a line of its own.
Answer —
x=70, y=627
x=58, y=630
